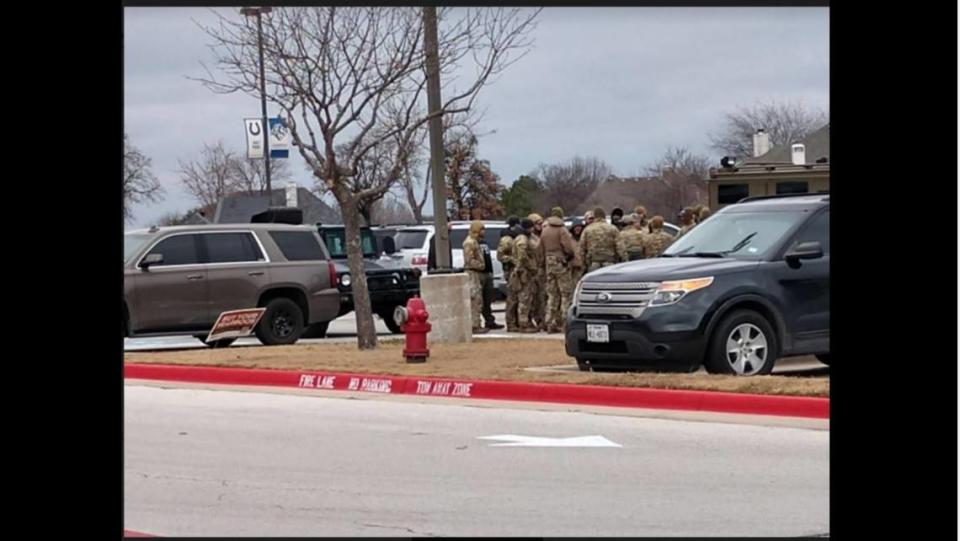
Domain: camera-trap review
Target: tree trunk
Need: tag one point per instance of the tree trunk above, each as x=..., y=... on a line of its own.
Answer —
x=366, y=330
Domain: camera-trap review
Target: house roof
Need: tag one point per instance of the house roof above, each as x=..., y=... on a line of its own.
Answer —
x=816, y=146
x=239, y=208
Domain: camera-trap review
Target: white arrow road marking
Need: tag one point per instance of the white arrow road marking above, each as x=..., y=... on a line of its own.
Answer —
x=513, y=440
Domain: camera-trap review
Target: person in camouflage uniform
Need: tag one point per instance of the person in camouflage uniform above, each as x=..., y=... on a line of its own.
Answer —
x=524, y=273
x=704, y=214
x=505, y=257
x=587, y=218
x=686, y=221
x=539, y=310
x=575, y=231
x=640, y=214
x=598, y=243
x=475, y=266
x=657, y=241
x=630, y=240
x=560, y=255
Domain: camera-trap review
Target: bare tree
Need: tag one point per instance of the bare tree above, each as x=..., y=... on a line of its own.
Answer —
x=785, y=122
x=391, y=210
x=682, y=161
x=568, y=185
x=455, y=126
x=681, y=178
x=220, y=171
x=211, y=176
x=140, y=185
x=350, y=79
x=251, y=178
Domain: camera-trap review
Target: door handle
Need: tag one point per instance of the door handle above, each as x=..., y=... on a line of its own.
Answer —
x=255, y=273
x=195, y=277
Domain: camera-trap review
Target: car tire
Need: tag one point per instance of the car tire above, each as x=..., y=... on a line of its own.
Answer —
x=387, y=317
x=222, y=343
x=824, y=358
x=583, y=365
x=281, y=324
x=317, y=330
x=753, y=335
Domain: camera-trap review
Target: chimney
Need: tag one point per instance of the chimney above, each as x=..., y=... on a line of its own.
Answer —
x=799, y=154
x=291, y=194
x=761, y=143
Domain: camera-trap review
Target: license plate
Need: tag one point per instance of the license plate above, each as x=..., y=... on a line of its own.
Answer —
x=598, y=333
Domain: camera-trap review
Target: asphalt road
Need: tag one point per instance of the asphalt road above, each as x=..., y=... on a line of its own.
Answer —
x=228, y=463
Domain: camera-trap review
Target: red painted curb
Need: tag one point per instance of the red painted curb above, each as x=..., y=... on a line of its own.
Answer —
x=131, y=533
x=789, y=406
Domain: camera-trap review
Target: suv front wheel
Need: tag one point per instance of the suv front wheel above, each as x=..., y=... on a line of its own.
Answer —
x=744, y=344
x=386, y=314
x=281, y=324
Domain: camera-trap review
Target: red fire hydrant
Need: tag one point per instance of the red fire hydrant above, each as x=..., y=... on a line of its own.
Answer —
x=413, y=322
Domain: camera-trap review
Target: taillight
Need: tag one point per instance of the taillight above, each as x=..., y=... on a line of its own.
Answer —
x=419, y=260
x=333, y=273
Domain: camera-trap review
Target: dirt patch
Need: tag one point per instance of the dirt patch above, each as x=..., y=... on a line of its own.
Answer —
x=504, y=360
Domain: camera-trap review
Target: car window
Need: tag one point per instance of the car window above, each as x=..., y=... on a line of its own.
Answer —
x=298, y=245
x=132, y=242
x=457, y=236
x=410, y=239
x=491, y=235
x=337, y=246
x=738, y=234
x=817, y=230
x=177, y=250
x=231, y=248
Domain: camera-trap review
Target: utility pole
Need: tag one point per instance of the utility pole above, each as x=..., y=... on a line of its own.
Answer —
x=441, y=235
x=258, y=12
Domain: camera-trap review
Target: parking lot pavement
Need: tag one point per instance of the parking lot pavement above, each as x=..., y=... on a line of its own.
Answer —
x=221, y=463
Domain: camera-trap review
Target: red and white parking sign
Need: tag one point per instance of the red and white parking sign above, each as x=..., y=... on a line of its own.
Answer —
x=235, y=323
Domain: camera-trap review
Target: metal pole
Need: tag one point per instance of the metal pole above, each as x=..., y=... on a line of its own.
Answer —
x=263, y=106
x=441, y=235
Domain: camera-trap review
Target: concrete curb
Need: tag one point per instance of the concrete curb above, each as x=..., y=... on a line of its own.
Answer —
x=595, y=395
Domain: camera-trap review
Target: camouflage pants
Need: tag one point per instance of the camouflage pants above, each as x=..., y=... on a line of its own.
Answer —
x=513, y=292
x=538, y=314
x=522, y=286
x=599, y=265
x=476, y=297
x=559, y=290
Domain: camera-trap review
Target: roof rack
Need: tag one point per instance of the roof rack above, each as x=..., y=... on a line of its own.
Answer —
x=781, y=196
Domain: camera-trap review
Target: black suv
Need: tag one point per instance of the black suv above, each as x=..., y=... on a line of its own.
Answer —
x=747, y=286
x=389, y=282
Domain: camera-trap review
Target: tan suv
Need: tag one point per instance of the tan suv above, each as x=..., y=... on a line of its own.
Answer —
x=177, y=280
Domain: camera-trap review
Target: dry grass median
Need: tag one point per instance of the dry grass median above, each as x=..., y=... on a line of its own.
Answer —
x=504, y=360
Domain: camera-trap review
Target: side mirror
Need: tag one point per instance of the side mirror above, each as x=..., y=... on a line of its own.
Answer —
x=804, y=250
x=152, y=259
x=389, y=245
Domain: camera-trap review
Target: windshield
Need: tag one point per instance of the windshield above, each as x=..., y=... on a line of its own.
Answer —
x=491, y=235
x=736, y=234
x=410, y=239
x=337, y=246
x=132, y=242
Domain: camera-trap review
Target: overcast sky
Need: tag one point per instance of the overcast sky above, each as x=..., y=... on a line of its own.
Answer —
x=617, y=83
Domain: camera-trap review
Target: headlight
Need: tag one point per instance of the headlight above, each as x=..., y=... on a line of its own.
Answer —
x=671, y=292
x=345, y=280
